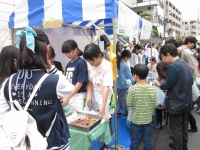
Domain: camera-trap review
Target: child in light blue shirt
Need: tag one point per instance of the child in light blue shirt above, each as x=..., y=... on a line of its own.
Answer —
x=124, y=81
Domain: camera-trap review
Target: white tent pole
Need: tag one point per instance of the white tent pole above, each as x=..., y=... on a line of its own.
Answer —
x=12, y=36
x=151, y=50
x=123, y=40
x=107, y=34
x=101, y=30
x=91, y=34
x=115, y=85
x=96, y=39
x=86, y=35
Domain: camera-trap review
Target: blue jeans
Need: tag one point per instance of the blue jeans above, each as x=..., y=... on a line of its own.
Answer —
x=147, y=130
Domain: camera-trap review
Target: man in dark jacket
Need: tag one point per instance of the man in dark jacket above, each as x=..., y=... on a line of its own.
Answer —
x=189, y=59
x=178, y=84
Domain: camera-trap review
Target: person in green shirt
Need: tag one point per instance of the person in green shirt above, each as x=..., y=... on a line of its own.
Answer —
x=142, y=99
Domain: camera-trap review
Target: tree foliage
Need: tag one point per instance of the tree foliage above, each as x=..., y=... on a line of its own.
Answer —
x=146, y=15
x=183, y=36
x=155, y=31
x=180, y=37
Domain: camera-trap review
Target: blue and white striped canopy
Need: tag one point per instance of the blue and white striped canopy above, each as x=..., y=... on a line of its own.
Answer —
x=82, y=13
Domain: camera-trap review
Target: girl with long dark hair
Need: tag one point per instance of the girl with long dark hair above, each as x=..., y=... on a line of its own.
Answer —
x=124, y=81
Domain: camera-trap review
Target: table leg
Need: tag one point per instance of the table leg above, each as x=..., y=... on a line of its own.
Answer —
x=161, y=121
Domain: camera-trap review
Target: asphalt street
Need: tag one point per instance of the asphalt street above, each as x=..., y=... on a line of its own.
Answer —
x=161, y=139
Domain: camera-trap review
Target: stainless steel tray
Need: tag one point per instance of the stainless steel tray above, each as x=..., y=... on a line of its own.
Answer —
x=84, y=129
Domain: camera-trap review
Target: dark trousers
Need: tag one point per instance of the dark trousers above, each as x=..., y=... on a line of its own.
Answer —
x=178, y=125
x=192, y=121
x=159, y=115
x=132, y=70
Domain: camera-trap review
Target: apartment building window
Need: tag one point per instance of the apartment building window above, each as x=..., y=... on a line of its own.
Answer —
x=155, y=18
x=193, y=27
x=193, y=33
x=139, y=1
x=160, y=20
x=186, y=27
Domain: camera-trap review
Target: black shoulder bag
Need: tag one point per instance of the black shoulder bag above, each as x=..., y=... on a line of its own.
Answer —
x=174, y=107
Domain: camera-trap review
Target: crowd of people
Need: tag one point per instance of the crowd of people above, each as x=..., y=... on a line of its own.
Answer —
x=177, y=65
x=87, y=81
x=29, y=62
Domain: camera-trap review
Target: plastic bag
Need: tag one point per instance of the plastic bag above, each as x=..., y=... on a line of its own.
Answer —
x=128, y=119
x=195, y=92
x=160, y=96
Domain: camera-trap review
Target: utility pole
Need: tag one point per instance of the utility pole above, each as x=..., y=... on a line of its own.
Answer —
x=197, y=24
x=167, y=12
x=171, y=28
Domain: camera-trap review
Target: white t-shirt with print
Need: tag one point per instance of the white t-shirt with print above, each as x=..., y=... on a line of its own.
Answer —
x=101, y=76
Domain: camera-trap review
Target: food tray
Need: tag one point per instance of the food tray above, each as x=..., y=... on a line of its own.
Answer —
x=86, y=129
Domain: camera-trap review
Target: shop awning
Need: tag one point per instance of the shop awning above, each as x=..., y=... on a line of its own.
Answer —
x=81, y=13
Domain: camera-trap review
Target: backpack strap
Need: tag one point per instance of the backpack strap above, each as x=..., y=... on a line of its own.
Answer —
x=49, y=130
x=9, y=92
x=35, y=90
x=31, y=97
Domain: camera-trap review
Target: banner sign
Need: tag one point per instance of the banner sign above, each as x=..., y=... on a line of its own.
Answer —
x=146, y=30
x=127, y=21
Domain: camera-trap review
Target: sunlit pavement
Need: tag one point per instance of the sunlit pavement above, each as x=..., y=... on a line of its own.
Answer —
x=161, y=137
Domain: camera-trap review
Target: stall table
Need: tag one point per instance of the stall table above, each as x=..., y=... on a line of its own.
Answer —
x=80, y=140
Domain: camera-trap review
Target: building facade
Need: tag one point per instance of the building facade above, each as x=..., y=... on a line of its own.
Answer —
x=172, y=19
x=190, y=28
x=166, y=16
